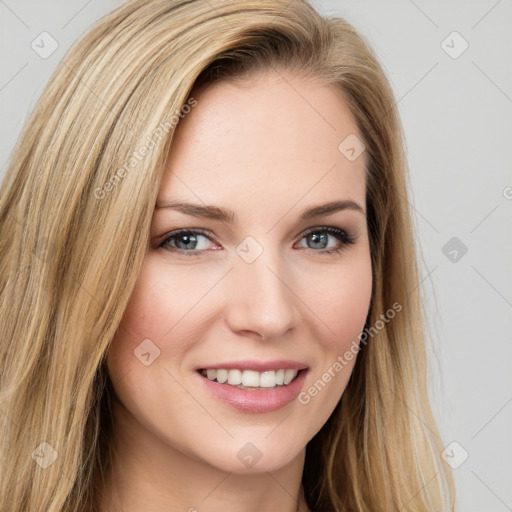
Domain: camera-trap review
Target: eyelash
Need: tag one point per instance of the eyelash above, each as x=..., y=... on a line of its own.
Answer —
x=345, y=238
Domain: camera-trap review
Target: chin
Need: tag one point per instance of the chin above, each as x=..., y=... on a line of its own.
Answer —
x=255, y=457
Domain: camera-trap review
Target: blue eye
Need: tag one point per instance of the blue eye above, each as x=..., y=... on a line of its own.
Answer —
x=324, y=240
x=319, y=239
x=186, y=241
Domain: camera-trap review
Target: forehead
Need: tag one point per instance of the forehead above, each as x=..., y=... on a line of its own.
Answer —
x=276, y=139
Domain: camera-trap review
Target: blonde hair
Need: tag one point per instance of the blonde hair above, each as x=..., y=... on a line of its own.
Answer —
x=75, y=213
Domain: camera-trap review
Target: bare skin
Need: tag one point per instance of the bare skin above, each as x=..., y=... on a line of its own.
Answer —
x=268, y=153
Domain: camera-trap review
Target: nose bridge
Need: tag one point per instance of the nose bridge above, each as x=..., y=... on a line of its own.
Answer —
x=261, y=296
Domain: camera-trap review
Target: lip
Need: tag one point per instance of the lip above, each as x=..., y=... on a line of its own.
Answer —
x=258, y=366
x=257, y=400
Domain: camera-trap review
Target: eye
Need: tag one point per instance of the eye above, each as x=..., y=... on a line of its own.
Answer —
x=186, y=241
x=327, y=240
x=323, y=240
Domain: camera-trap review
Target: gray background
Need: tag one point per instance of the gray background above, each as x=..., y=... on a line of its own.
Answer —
x=457, y=115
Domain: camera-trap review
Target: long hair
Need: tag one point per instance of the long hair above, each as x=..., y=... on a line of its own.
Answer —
x=75, y=213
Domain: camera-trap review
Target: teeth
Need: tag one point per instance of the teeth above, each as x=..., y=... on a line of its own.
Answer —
x=234, y=377
x=251, y=378
x=222, y=376
x=268, y=379
x=289, y=375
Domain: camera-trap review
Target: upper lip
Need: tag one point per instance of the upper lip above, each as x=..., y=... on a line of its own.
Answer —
x=258, y=366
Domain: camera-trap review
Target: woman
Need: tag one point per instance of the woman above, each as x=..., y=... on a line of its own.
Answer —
x=209, y=291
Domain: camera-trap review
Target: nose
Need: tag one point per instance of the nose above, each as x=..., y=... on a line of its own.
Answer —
x=261, y=298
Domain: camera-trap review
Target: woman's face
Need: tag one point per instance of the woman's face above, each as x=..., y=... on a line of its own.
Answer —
x=249, y=278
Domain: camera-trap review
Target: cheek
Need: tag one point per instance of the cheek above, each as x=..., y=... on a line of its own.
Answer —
x=165, y=305
x=163, y=302
x=340, y=300
x=150, y=313
x=341, y=312
x=161, y=307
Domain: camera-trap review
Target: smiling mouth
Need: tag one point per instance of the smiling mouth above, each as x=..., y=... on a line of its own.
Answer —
x=251, y=379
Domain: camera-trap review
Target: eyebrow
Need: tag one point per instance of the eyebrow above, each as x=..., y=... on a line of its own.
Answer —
x=229, y=216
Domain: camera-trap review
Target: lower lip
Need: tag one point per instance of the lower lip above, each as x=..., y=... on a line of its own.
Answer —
x=257, y=400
